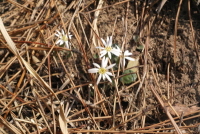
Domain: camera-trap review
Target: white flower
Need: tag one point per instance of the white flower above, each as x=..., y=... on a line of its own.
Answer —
x=108, y=49
x=63, y=38
x=103, y=70
x=125, y=56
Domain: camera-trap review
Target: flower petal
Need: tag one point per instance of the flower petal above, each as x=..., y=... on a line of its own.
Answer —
x=60, y=42
x=107, y=40
x=126, y=53
x=109, y=73
x=112, y=65
x=58, y=32
x=100, y=47
x=96, y=65
x=57, y=35
x=67, y=44
x=99, y=78
x=110, y=41
x=103, y=76
x=116, y=52
x=70, y=36
x=102, y=55
x=108, y=77
x=104, y=62
x=103, y=42
x=93, y=70
x=117, y=48
x=109, y=55
x=63, y=32
x=129, y=58
x=103, y=52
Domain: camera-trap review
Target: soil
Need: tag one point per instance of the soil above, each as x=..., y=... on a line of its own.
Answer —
x=176, y=77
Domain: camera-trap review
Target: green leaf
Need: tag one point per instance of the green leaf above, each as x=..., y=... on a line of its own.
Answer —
x=127, y=79
x=140, y=48
x=95, y=56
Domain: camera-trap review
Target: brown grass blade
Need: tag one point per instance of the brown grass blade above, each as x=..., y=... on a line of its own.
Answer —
x=166, y=110
x=62, y=120
x=13, y=48
x=9, y=126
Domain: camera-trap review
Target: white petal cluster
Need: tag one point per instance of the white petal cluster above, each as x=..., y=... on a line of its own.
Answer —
x=102, y=70
x=126, y=57
x=63, y=38
x=108, y=49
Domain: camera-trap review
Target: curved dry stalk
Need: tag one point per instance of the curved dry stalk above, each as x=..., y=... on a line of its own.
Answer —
x=175, y=30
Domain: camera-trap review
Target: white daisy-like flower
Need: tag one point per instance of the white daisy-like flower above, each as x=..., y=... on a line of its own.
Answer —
x=126, y=57
x=103, y=70
x=108, y=49
x=63, y=38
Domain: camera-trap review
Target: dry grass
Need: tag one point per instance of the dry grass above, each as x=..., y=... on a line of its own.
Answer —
x=46, y=88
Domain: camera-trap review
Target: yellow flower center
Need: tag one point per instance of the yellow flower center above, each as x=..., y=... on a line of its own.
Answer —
x=64, y=38
x=108, y=49
x=102, y=70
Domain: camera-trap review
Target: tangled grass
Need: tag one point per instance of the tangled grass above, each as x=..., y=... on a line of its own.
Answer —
x=46, y=88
